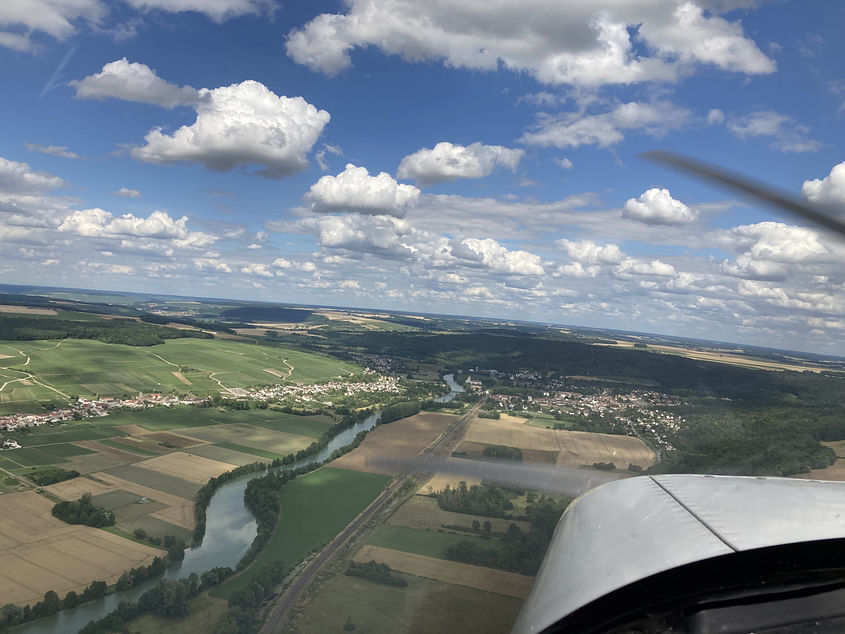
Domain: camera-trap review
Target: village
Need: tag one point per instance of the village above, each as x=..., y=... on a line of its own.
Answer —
x=302, y=394
x=319, y=392
x=645, y=413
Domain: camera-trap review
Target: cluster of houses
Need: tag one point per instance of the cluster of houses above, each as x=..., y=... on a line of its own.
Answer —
x=640, y=412
x=101, y=406
x=321, y=392
x=91, y=408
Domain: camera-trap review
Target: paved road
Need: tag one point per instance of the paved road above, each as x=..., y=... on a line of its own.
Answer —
x=280, y=608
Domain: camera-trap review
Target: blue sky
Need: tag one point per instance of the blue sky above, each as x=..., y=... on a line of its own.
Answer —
x=470, y=158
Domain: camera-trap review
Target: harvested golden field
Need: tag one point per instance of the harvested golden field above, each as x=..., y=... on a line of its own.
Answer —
x=476, y=450
x=423, y=512
x=836, y=472
x=26, y=310
x=401, y=439
x=509, y=584
x=838, y=447
x=439, y=481
x=75, y=488
x=575, y=448
x=186, y=466
x=39, y=552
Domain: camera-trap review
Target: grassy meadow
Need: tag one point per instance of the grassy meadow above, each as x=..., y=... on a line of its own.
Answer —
x=423, y=607
x=425, y=542
x=315, y=508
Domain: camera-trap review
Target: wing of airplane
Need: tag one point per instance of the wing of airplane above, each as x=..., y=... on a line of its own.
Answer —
x=695, y=553
x=699, y=553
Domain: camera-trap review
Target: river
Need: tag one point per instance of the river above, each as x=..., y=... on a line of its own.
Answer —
x=230, y=529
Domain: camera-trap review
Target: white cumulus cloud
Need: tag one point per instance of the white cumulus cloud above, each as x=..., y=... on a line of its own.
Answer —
x=828, y=191
x=19, y=178
x=588, y=252
x=779, y=242
x=57, y=18
x=496, y=257
x=238, y=125
x=562, y=42
x=446, y=161
x=138, y=233
x=255, y=268
x=636, y=266
x=131, y=81
x=657, y=207
x=354, y=190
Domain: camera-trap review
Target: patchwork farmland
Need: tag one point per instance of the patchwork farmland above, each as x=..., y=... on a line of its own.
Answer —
x=145, y=466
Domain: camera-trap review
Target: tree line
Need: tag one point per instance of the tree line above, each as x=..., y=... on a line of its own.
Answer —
x=123, y=331
x=479, y=499
x=379, y=573
x=398, y=411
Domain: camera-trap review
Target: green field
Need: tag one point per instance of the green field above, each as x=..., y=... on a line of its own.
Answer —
x=423, y=542
x=156, y=480
x=68, y=432
x=423, y=607
x=249, y=439
x=313, y=426
x=88, y=368
x=49, y=454
x=184, y=417
x=223, y=455
x=315, y=508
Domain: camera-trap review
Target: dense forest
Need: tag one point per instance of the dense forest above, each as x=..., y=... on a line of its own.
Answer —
x=125, y=331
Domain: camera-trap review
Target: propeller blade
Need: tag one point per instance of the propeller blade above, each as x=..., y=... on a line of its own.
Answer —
x=535, y=477
x=747, y=186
